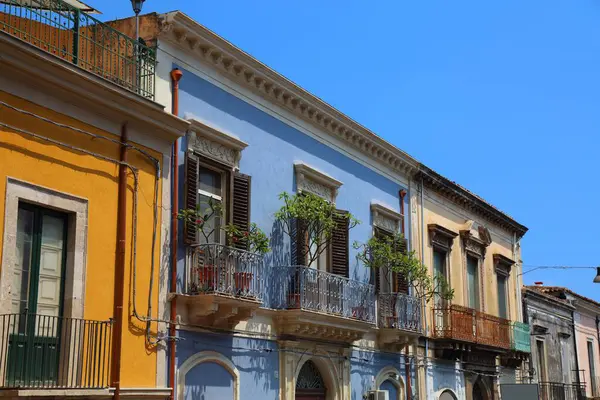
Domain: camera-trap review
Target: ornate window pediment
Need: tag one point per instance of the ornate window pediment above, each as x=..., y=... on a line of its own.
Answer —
x=385, y=218
x=215, y=144
x=473, y=245
x=441, y=237
x=502, y=264
x=309, y=179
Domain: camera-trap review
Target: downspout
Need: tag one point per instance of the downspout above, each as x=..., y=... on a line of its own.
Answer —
x=120, y=267
x=576, y=353
x=176, y=75
x=402, y=195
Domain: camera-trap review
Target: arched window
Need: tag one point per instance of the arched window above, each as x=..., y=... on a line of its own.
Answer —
x=310, y=383
x=447, y=395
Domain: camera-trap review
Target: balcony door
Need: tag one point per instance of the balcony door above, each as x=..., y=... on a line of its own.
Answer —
x=37, y=297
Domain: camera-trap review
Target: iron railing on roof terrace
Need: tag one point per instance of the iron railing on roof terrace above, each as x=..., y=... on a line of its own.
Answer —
x=74, y=36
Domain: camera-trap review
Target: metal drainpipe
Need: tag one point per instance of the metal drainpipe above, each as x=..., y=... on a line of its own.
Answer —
x=120, y=267
x=402, y=194
x=576, y=353
x=176, y=75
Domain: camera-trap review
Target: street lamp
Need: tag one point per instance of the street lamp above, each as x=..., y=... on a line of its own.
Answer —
x=597, y=278
x=137, y=9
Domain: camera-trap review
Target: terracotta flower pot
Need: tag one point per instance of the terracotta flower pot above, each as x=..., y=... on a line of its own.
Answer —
x=242, y=281
x=206, y=277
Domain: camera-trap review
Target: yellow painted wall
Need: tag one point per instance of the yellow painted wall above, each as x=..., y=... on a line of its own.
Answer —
x=436, y=212
x=85, y=176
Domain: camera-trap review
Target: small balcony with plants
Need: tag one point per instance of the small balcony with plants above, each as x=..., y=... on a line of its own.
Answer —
x=399, y=310
x=68, y=32
x=224, y=284
x=314, y=295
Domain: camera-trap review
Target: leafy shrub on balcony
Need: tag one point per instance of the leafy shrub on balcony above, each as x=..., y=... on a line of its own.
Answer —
x=388, y=252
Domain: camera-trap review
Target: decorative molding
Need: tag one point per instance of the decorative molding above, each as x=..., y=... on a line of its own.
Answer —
x=202, y=357
x=473, y=245
x=215, y=144
x=441, y=237
x=468, y=200
x=502, y=264
x=240, y=67
x=316, y=182
x=391, y=374
x=386, y=218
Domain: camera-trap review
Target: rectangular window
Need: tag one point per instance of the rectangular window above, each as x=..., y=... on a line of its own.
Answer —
x=590, y=350
x=211, y=193
x=541, y=360
x=439, y=269
x=502, y=306
x=473, y=281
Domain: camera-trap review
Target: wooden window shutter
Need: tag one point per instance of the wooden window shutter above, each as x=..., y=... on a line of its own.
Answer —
x=241, y=205
x=191, y=196
x=298, y=247
x=339, y=244
x=400, y=282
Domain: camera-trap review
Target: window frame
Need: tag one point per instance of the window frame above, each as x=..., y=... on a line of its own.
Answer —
x=226, y=192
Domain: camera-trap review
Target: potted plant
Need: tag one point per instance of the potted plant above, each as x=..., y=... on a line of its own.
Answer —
x=256, y=243
x=205, y=275
x=309, y=221
x=386, y=252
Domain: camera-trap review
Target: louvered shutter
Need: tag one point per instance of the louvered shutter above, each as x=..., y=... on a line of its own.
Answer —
x=400, y=281
x=241, y=205
x=339, y=244
x=191, y=196
x=298, y=247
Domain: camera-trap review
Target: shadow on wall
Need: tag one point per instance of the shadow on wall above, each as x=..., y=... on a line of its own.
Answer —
x=256, y=360
x=365, y=366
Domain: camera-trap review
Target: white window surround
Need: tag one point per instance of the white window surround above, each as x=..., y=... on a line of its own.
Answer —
x=386, y=218
x=77, y=210
x=391, y=374
x=439, y=393
x=309, y=179
x=202, y=357
x=215, y=144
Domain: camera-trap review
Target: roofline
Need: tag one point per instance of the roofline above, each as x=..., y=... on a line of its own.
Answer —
x=580, y=297
x=529, y=290
x=464, y=197
x=241, y=67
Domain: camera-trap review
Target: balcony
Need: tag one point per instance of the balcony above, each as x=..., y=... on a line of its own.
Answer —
x=465, y=324
x=46, y=352
x=520, y=339
x=320, y=304
x=560, y=391
x=68, y=33
x=399, y=318
x=223, y=286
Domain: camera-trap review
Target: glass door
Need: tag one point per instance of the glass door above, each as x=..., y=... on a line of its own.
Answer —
x=36, y=303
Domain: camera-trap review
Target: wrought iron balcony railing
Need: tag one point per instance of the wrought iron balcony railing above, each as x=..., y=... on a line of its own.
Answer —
x=465, y=324
x=521, y=339
x=399, y=311
x=306, y=288
x=46, y=352
x=224, y=270
x=58, y=28
x=561, y=391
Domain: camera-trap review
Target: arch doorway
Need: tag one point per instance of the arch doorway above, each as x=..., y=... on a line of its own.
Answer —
x=310, y=384
x=479, y=392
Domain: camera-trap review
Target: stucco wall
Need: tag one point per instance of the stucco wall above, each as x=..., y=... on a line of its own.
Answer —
x=586, y=332
x=94, y=180
x=441, y=376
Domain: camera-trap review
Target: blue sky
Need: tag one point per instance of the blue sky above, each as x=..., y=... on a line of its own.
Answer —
x=502, y=97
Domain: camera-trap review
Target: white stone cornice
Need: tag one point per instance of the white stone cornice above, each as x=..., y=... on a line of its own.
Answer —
x=215, y=143
x=252, y=74
x=314, y=181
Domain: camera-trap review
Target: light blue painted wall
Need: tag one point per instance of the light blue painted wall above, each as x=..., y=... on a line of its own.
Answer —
x=366, y=365
x=208, y=381
x=257, y=361
x=273, y=147
x=390, y=388
x=444, y=375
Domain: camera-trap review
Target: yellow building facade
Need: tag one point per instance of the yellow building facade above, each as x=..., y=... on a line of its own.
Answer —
x=476, y=340
x=61, y=128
